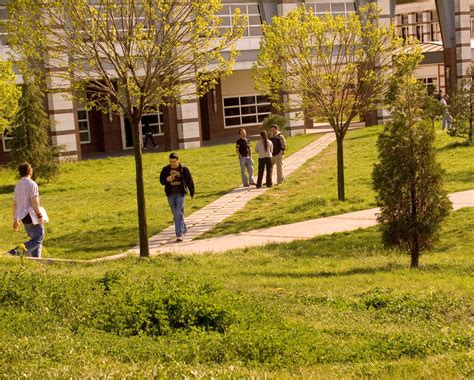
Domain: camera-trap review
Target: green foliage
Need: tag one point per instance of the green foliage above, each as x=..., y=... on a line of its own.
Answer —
x=407, y=177
x=31, y=142
x=9, y=94
x=274, y=119
x=461, y=108
x=433, y=109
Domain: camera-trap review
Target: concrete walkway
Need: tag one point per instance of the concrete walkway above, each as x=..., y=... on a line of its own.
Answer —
x=296, y=231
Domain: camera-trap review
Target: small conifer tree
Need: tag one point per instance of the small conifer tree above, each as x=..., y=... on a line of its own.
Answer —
x=407, y=177
x=30, y=128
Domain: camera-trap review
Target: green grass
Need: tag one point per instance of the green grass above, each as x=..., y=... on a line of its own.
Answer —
x=92, y=205
x=311, y=192
x=332, y=307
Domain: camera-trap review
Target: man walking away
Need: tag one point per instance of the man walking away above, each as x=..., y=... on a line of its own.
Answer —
x=447, y=120
x=279, y=146
x=25, y=197
x=244, y=153
x=178, y=182
x=148, y=132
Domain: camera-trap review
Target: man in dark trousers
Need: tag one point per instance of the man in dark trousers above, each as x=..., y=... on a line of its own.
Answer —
x=148, y=133
x=279, y=146
x=178, y=182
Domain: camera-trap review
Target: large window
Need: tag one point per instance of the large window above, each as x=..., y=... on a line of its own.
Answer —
x=155, y=119
x=3, y=17
x=251, y=10
x=431, y=84
x=84, y=127
x=7, y=141
x=335, y=8
x=245, y=110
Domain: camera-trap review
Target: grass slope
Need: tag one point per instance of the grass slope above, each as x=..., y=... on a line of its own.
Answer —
x=312, y=191
x=92, y=205
x=332, y=307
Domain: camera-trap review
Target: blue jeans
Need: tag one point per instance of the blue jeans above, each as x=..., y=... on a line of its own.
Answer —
x=36, y=234
x=246, y=163
x=447, y=121
x=176, y=202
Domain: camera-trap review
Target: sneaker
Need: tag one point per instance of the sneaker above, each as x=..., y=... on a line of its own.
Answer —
x=13, y=252
x=179, y=239
x=156, y=146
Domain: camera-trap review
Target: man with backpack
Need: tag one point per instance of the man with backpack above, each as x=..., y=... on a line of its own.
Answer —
x=178, y=182
x=279, y=146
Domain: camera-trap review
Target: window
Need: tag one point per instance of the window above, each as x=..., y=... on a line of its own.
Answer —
x=434, y=32
x=431, y=84
x=419, y=33
x=84, y=128
x=472, y=27
x=7, y=138
x=155, y=119
x=336, y=9
x=251, y=10
x=3, y=17
x=245, y=110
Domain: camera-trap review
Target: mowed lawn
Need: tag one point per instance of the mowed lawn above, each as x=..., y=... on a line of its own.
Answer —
x=333, y=307
x=311, y=192
x=92, y=205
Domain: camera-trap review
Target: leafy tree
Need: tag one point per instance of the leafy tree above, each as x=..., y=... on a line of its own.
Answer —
x=331, y=67
x=9, y=94
x=433, y=109
x=30, y=128
x=407, y=177
x=129, y=56
x=461, y=108
x=274, y=119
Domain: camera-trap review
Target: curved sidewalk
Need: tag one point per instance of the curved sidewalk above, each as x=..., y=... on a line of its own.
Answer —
x=295, y=231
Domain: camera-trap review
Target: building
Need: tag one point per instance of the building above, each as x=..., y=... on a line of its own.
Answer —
x=443, y=27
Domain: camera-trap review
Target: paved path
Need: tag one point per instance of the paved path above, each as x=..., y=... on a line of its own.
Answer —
x=296, y=231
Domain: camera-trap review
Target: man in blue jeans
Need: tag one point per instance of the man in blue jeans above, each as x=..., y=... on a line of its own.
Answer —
x=25, y=200
x=242, y=148
x=178, y=182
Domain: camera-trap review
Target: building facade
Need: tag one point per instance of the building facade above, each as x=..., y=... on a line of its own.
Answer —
x=443, y=27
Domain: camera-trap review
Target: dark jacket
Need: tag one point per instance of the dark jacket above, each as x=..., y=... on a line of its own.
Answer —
x=187, y=183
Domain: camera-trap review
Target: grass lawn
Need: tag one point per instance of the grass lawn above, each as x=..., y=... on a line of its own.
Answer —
x=92, y=205
x=332, y=307
x=311, y=192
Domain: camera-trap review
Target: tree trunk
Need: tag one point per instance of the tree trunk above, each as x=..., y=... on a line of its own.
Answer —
x=470, y=132
x=415, y=254
x=141, y=203
x=340, y=168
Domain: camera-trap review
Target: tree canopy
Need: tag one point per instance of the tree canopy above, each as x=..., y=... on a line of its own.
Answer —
x=9, y=94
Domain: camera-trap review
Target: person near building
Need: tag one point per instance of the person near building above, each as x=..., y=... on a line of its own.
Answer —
x=264, y=149
x=26, y=201
x=178, y=182
x=279, y=146
x=244, y=153
x=148, y=133
x=447, y=119
x=439, y=95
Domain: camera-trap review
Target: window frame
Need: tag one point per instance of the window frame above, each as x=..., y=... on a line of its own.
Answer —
x=248, y=26
x=88, y=131
x=160, y=114
x=255, y=104
x=4, y=139
x=313, y=5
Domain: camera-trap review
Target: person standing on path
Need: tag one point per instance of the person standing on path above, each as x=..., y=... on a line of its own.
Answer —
x=25, y=198
x=447, y=120
x=264, y=148
x=148, y=133
x=244, y=153
x=279, y=146
x=178, y=182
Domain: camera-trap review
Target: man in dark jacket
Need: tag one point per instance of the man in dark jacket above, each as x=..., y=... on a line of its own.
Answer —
x=279, y=146
x=178, y=182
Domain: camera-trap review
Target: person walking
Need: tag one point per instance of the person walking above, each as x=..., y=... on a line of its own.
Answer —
x=148, y=133
x=279, y=146
x=178, y=182
x=264, y=148
x=447, y=120
x=26, y=200
x=244, y=153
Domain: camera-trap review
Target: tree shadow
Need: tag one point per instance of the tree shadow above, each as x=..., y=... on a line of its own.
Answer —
x=466, y=176
x=365, y=136
x=453, y=145
x=7, y=189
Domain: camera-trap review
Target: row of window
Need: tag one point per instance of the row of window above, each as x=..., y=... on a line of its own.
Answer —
x=425, y=26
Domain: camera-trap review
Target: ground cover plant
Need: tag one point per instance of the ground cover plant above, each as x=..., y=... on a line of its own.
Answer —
x=308, y=193
x=92, y=205
x=332, y=307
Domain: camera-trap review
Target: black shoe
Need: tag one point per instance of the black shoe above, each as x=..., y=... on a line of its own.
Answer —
x=14, y=252
x=179, y=239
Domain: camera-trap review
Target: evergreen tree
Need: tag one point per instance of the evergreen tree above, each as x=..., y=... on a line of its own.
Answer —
x=407, y=177
x=30, y=128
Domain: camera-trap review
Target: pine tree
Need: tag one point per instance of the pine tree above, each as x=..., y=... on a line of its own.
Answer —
x=30, y=128
x=407, y=177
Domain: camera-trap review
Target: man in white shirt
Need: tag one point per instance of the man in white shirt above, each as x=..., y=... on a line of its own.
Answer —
x=26, y=196
x=447, y=119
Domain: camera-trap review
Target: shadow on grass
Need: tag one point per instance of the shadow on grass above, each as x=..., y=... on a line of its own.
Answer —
x=365, y=136
x=453, y=145
x=75, y=243
x=7, y=189
x=466, y=176
x=326, y=274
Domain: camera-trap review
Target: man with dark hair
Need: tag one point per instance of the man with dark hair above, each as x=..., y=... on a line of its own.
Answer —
x=279, y=146
x=242, y=148
x=25, y=201
x=178, y=182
